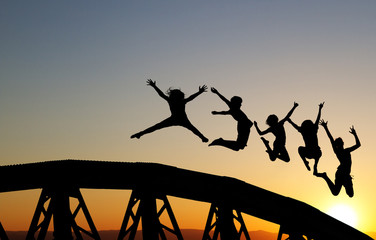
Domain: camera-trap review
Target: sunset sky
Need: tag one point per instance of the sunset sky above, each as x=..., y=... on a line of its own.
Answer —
x=73, y=86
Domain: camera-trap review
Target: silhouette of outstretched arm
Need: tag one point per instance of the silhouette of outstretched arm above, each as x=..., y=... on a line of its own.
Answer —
x=325, y=126
x=293, y=124
x=221, y=112
x=321, y=105
x=290, y=112
x=201, y=89
x=259, y=131
x=152, y=83
x=220, y=96
x=357, y=142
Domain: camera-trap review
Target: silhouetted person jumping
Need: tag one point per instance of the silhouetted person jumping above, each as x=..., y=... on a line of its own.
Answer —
x=308, y=129
x=343, y=177
x=176, y=101
x=244, y=124
x=276, y=127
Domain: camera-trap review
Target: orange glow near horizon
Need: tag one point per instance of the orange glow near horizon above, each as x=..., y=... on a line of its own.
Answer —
x=108, y=208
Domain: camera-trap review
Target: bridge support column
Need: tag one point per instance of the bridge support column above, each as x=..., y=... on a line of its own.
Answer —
x=223, y=224
x=59, y=209
x=143, y=206
x=62, y=216
x=292, y=232
x=3, y=235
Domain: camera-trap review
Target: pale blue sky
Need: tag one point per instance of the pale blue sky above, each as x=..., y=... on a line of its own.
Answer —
x=73, y=83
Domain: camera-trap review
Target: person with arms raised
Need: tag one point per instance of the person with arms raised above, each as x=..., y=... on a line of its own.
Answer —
x=243, y=127
x=176, y=101
x=276, y=127
x=309, y=130
x=342, y=177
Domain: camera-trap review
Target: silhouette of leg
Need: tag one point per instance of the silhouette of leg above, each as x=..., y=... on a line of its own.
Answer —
x=350, y=191
x=349, y=187
x=233, y=145
x=243, y=136
x=315, y=166
x=283, y=154
x=334, y=188
x=317, y=155
x=190, y=126
x=302, y=153
x=217, y=142
x=244, y=130
x=272, y=156
x=136, y=135
x=165, y=123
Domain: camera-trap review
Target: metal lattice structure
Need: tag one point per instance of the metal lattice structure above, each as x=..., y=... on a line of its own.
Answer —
x=221, y=222
x=146, y=209
x=62, y=180
x=54, y=204
x=3, y=235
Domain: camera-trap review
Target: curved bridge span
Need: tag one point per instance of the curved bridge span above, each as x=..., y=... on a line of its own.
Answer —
x=229, y=199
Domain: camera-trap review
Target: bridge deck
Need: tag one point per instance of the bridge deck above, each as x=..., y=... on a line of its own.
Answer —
x=173, y=181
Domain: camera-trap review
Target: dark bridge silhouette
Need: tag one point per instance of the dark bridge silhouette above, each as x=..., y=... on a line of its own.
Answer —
x=229, y=199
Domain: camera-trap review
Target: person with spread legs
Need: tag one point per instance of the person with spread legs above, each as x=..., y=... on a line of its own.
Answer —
x=176, y=101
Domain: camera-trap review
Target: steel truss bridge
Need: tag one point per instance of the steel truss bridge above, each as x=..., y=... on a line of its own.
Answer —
x=229, y=198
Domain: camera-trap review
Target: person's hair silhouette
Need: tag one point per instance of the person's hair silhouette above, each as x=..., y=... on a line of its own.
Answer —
x=342, y=177
x=243, y=127
x=308, y=130
x=276, y=127
x=176, y=101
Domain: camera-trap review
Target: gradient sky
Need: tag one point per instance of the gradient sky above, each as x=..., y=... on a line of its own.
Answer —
x=73, y=85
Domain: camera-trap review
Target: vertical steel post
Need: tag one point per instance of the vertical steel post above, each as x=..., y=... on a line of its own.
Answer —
x=150, y=221
x=62, y=215
x=63, y=219
x=226, y=223
x=223, y=224
x=3, y=235
x=148, y=213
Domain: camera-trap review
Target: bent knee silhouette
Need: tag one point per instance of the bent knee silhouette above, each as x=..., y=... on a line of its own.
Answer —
x=343, y=174
x=276, y=127
x=243, y=123
x=311, y=150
